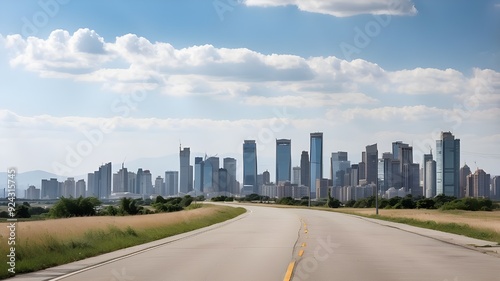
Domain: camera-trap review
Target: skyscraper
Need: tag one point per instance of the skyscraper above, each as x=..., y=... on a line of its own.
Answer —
x=171, y=183
x=371, y=164
x=230, y=165
x=104, y=181
x=430, y=178
x=147, y=185
x=481, y=184
x=316, y=162
x=80, y=188
x=339, y=164
x=250, y=165
x=304, y=169
x=448, y=165
x=184, y=175
x=222, y=187
x=50, y=188
x=159, y=184
x=120, y=180
x=427, y=157
x=296, y=175
x=283, y=160
x=464, y=172
x=198, y=174
x=211, y=174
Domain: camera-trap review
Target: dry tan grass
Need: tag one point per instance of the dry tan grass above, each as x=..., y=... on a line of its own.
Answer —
x=63, y=229
x=487, y=220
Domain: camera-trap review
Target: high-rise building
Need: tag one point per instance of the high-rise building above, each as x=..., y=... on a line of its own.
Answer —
x=495, y=186
x=198, y=174
x=283, y=160
x=396, y=148
x=430, y=178
x=69, y=187
x=91, y=185
x=222, y=186
x=386, y=172
x=230, y=165
x=371, y=164
x=103, y=181
x=147, y=179
x=427, y=157
x=354, y=175
x=316, y=159
x=250, y=165
x=464, y=172
x=481, y=184
x=448, y=165
x=339, y=164
x=132, y=182
x=184, y=155
x=32, y=193
x=80, y=188
x=171, y=183
x=304, y=169
x=266, y=177
x=296, y=175
x=120, y=180
x=159, y=185
x=211, y=174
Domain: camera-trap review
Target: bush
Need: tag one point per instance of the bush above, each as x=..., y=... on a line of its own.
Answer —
x=71, y=207
x=469, y=204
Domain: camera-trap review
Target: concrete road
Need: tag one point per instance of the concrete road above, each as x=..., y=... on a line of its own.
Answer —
x=344, y=247
x=267, y=243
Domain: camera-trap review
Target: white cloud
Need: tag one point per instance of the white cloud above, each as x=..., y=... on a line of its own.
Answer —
x=344, y=8
x=133, y=63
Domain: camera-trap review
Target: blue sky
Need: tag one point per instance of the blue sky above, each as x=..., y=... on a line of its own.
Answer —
x=257, y=69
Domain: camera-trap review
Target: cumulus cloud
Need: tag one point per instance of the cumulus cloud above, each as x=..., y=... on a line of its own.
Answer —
x=132, y=63
x=344, y=8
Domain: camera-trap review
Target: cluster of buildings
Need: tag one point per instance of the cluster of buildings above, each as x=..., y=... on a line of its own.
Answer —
x=390, y=174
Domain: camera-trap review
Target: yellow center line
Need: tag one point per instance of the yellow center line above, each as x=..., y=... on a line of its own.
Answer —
x=301, y=252
x=304, y=244
x=289, y=271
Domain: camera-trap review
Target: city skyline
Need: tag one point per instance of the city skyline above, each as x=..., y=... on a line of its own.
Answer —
x=79, y=90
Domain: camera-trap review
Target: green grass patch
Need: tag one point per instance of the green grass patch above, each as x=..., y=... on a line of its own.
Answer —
x=49, y=252
x=455, y=228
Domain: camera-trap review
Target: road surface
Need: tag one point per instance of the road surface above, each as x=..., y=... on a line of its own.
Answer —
x=297, y=244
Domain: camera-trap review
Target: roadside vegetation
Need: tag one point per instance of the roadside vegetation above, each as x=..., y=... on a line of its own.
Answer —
x=48, y=243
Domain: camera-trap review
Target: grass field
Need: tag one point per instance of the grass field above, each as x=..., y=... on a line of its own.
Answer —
x=43, y=244
x=481, y=225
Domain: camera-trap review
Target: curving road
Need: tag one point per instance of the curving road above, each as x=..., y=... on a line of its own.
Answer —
x=298, y=244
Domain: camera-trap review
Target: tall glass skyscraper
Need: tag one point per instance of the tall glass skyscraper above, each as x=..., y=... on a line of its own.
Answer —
x=250, y=164
x=230, y=165
x=448, y=165
x=184, y=175
x=371, y=168
x=198, y=174
x=283, y=160
x=339, y=164
x=316, y=162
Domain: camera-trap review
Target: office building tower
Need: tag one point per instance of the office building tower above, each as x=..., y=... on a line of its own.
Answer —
x=396, y=148
x=448, y=165
x=296, y=175
x=371, y=168
x=266, y=177
x=32, y=193
x=354, y=175
x=139, y=182
x=339, y=164
x=386, y=172
x=222, y=186
x=464, y=172
x=211, y=174
x=430, y=178
x=283, y=160
x=250, y=165
x=100, y=182
x=120, y=180
x=69, y=187
x=495, y=187
x=316, y=159
x=427, y=157
x=230, y=165
x=304, y=169
x=80, y=188
x=171, y=183
x=481, y=184
x=132, y=182
x=198, y=174
x=184, y=175
x=159, y=185
x=147, y=183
